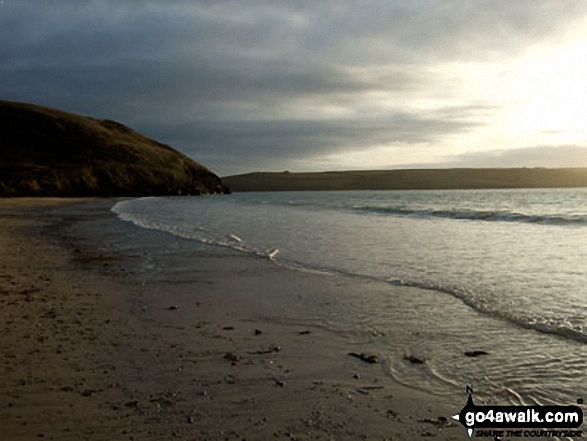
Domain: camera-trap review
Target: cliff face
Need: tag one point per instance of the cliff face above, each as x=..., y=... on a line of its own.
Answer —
x=47, y=152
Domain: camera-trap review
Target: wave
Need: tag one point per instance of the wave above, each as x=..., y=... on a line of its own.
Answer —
x=545, y=325
x=489, y=216
x=202, y=235
x=199, y=234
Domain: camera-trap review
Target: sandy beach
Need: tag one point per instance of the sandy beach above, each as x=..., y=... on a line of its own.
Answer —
x=92, y=349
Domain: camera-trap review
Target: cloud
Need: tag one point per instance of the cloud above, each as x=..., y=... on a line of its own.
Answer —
x=240, y=81
x=289, y=141
x=539, y=156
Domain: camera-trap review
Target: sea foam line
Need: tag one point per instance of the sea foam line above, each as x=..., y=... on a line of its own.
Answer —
x=476, y=215
x=534, y=323
x=199, y=235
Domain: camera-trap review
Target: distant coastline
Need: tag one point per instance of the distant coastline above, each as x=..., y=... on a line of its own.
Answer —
x=410, y=179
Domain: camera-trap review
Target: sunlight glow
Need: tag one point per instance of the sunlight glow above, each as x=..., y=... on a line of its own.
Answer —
x=538, y=98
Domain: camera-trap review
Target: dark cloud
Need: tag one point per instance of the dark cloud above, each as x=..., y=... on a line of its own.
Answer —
x=272, y=141
x=240, y=82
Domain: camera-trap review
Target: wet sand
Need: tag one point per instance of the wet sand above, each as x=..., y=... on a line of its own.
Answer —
x=93, y=350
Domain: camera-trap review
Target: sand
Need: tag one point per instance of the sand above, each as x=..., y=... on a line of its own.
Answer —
x=90, y=350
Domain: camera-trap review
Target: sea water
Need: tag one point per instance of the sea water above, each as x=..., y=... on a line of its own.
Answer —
x=500, y=271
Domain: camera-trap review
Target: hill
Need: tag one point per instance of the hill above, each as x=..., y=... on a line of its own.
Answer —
x=47, y=152
x=416, y=179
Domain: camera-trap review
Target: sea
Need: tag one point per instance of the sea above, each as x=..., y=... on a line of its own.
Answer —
x=486, y=287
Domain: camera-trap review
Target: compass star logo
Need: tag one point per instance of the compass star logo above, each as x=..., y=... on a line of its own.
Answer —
x=469, y=407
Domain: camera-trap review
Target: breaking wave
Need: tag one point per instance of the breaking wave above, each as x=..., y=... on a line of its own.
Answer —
x=489, y=216
x=199, y=234
x=545, y=325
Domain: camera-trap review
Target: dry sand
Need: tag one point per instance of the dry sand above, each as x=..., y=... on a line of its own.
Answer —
x=91, y=352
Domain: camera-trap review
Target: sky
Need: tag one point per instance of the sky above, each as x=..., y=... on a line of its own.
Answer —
x=270, y=85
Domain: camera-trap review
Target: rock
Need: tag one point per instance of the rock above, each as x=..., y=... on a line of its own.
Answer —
x=231, y=356
x=474, y=353
x=257, y=332
x=280, y=383
x=173, y=308
x=305, y=332
x=271, y=349
x=414, y=359
x=88, y=392
x=371, y=359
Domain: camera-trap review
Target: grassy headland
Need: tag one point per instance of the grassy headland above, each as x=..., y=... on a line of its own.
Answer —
x=47, y=152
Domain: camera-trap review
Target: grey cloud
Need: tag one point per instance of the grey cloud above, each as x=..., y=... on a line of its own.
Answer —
x=281, y=142
x=486, y=28
x=136, y=91
x=225, y=78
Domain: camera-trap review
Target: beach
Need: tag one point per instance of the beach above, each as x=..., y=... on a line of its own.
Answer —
x=112, y=345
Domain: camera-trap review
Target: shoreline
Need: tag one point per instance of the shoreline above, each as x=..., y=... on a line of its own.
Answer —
x=95, y=349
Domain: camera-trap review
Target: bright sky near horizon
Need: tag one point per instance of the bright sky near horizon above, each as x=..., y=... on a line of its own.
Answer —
x=270, y=85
